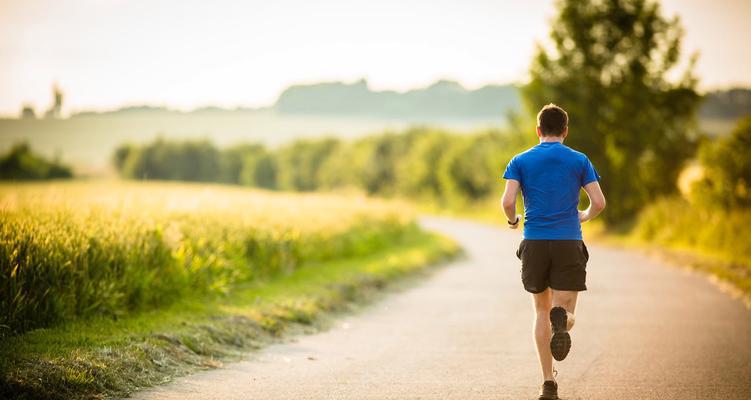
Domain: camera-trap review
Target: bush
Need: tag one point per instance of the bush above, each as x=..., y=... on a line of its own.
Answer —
x=726, y=164
x=718, y=233
x=423, y=163
x=300, y=163
x=20, y=163
x=196, y=161
x=471, y=170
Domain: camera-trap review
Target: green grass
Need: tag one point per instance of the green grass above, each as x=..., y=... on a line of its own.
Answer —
x=707, y=239
x=80, y=249
x=99, y=356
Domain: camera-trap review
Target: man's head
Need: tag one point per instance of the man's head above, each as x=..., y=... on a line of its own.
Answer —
x=552, y=121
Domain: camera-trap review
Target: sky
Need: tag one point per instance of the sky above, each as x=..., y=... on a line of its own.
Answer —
x=185, y=54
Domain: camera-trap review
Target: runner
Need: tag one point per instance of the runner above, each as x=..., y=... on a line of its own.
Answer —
x=553, y=255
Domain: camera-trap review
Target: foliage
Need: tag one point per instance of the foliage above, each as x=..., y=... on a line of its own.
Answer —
x=232, y=162
x=471, y=169
x=20, y=163
x=82, y=249
x=420, y=162
x=196, y=161
x=726, y=164
x=301, y=161
x=369, y=163
x=608, y=70
x=259, y=169
x=426, y=164
x=201, y=161
x=716, y=233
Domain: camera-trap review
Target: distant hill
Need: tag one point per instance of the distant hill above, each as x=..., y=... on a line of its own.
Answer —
x=443, y=99
x=448, y=99
x=726, y=104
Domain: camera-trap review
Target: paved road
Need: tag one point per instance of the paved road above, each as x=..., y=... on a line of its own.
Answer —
x=644, y=331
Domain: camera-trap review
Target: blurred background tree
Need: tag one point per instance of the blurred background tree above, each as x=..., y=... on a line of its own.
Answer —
x=20, y=163
x=195, y=161
x=259, y=168
x=726, y=164
x=609, y=69
x=417, y=175
x=302, y=160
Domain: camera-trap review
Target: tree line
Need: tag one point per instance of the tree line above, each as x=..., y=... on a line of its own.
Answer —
x=426, y=163
x=21, y=163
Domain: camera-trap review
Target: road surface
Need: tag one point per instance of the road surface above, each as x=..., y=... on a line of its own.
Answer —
x=643, y=331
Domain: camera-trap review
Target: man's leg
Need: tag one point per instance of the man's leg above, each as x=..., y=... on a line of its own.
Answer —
x=561, y=321
x=567, y=300
x=543, y=303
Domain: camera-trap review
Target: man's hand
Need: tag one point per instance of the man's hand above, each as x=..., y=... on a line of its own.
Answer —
x=516, y=225
x=508, y=202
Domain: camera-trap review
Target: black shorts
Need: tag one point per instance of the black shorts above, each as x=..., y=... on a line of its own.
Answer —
x=559, y=264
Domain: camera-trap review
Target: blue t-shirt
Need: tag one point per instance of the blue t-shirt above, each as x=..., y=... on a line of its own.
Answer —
x=551, y=175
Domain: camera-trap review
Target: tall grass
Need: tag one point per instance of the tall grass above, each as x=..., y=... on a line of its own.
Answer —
x=71, y=250
x=720, y=235
x=675, y=221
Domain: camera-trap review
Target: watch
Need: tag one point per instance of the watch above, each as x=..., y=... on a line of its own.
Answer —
x=515, y=222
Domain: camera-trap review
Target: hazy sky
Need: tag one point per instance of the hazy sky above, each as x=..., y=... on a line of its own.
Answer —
x=184, y=54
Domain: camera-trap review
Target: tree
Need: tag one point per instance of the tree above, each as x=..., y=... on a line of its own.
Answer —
x=473, y=165
x=259, y=168
x=232, y=162
x=608, y=70
x=27, y=112
x=20, y=163
x=169, y=160
x=299, y=163
x=120, y=156
x=416, y=174
x=727, y=169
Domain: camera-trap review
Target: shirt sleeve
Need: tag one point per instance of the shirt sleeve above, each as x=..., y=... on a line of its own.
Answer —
x=589, y=174
x=512, y=170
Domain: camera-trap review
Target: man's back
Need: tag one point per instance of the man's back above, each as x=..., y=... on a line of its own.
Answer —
x=551, y=175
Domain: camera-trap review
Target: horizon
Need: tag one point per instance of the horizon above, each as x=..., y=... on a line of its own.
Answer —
x=168, y=107
x=262, y=107
x=244, y=56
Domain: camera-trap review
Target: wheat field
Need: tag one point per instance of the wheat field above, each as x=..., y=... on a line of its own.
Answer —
x=71, y=250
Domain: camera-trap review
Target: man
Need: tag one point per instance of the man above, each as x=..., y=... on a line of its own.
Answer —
x=553, y=255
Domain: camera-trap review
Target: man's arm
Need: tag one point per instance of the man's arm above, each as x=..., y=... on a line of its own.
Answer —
x=596, y=201
x=509, y=202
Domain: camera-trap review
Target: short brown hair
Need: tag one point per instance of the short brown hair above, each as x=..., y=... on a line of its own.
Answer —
x=552, y=120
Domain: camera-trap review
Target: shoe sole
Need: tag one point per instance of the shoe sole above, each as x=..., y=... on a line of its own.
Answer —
x=548, y=398
x=560, y=343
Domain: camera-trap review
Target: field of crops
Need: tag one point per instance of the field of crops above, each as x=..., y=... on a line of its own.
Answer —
x=71, y=250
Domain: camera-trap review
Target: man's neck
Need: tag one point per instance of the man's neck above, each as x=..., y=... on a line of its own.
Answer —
x=551, y=139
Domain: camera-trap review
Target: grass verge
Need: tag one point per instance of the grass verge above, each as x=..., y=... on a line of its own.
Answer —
x=102, y=357
x=710, y=240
